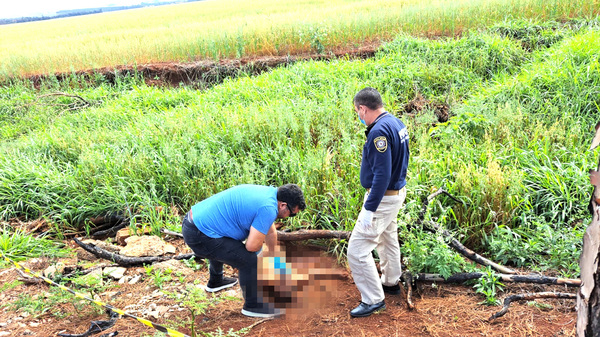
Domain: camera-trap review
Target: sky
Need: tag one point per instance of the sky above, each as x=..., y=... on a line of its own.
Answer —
x=20, y=8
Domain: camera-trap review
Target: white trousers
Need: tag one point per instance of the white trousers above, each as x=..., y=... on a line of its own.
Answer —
x=382, y=236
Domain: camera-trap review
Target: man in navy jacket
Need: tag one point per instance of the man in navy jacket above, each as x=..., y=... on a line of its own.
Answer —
x=383, y=174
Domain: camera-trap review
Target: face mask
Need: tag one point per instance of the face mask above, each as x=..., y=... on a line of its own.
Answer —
x=361, y=120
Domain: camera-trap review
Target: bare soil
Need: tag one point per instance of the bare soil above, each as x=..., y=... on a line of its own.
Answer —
x=205, y=73
x=441, y=310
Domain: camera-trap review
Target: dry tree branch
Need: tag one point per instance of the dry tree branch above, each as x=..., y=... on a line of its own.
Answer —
x=463, y=277
x=529, y=296
x=127, y=261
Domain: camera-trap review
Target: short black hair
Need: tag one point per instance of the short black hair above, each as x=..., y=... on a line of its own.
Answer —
x=292, y=195
x=368, y=97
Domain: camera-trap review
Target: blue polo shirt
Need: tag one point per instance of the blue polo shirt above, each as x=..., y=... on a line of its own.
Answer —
x=232, y=212
x=384, y=158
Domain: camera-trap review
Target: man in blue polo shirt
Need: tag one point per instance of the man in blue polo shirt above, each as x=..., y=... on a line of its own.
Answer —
x=383, y=174
x=216, y=228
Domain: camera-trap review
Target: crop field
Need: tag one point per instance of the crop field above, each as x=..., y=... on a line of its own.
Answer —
x=232, y=29
x=500, y=106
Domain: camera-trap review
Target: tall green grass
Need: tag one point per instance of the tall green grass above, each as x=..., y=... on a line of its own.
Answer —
x=232, y=28
x=515, y=148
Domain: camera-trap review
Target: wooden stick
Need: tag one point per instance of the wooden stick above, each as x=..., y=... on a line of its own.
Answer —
x=466, y=252
x=526, y=297
x=463, y=277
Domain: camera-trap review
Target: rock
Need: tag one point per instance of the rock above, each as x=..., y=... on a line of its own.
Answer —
x=162, y=309
x=92, y=277
x=126, y=232
x=54, y=269
x=4, y=333
x=116, y=273
x=124, y=279
x=147, y=245
x=135, y=279
x=34, y=324
x=177, y=267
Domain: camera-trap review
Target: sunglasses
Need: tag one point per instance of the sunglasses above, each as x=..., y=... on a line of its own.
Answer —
x=292, y=214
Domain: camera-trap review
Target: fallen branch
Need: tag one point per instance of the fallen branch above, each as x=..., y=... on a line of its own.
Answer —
x=463, y=277
x=528, y=296
x=294, y=236
x=312, y=234
x=127, y=261
x=28, y=279
x=466, y=252
x=166, y=231
x=96, y=326
x=455, y=244
x=408, y=278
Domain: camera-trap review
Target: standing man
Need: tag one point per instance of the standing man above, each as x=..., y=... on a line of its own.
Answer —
x=215, y=228
x=383, y=174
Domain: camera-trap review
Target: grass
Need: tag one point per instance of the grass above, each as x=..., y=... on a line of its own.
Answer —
x=231, y=29
x=514, y=149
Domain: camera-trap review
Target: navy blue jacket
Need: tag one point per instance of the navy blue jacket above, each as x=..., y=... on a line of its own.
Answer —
x=384, y=158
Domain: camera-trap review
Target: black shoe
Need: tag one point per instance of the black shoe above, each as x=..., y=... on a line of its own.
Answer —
x=261, y=311
x=392, y=290
x=364, y=310
x=226, y=282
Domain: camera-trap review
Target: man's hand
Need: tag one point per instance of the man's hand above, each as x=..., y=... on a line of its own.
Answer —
x=365, y=218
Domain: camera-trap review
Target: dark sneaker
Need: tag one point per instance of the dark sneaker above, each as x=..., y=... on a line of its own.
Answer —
x=227, y=282
x=392, y=290
x=364, y=310
x=261, y=311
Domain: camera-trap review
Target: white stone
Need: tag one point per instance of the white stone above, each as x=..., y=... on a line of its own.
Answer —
x=115, y=273
x=135, y=279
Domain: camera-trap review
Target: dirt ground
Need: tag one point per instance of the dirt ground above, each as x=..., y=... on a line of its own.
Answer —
x=441, y=310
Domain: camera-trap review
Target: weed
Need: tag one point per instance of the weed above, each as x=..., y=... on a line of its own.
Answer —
x=489, y=285
x=10, y=285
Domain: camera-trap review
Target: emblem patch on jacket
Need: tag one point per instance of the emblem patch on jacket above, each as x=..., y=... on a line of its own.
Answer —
x=380, y=143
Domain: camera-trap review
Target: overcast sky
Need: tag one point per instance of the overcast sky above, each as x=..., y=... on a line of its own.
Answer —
x=19, y=8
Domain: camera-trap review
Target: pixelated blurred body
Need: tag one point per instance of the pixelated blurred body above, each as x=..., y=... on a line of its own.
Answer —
x=297, y=281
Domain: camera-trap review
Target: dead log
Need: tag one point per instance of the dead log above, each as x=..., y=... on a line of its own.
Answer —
x=303, y=234
x=127, y=261
x=466, y=252
x=455, y=244
x=312, y=234
x=532, y=278
x=588, y=296
x=527, y=297
x=110, y=228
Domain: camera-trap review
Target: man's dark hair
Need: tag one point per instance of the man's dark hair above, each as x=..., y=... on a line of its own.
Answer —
x=292, y=195
x=368, y=97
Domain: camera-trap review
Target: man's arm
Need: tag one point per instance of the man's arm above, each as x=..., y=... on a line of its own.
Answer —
x=255, y=240
x=271, y=238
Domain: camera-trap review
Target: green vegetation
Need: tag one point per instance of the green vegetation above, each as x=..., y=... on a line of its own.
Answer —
x=18, y=245
x=523, y=97
x=232, y=29
x=489, y=285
